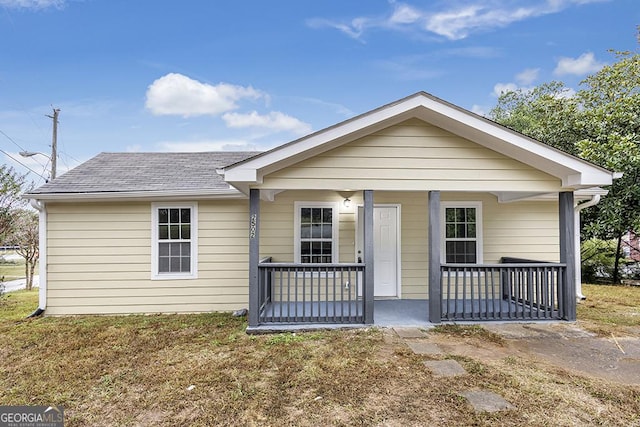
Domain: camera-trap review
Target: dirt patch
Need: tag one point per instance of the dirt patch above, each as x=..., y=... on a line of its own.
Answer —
x=598, y=357
x=563, y=345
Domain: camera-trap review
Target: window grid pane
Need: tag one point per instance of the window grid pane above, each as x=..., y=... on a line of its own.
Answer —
x=174, y=240
x=460, y=235
x=316, y=234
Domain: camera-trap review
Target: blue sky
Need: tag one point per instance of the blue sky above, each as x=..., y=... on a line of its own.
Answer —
x=198, y=75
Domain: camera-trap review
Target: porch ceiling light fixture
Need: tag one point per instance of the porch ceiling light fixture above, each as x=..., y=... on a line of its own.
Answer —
x=346, y=195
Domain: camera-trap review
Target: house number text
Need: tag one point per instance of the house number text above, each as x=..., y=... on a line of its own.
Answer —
x=252, y=226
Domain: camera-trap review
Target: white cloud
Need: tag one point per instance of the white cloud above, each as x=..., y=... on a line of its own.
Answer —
x=501, y=88
x=404, y=14
x=202, y=146
x=32, y=4
x=275, y=121
x=523, y=81
x=584, y=64
x=453, y=20
x=460, y=23
x=176, y=94
x=354, y=29
x=336, y=108
x=527, y=76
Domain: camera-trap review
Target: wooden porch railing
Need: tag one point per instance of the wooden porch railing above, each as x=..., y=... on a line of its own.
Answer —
x=310, y=293
x=527, y=291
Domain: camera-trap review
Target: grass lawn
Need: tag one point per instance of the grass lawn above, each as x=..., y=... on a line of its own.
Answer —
x=203, y=370
x=13, y=270
x=610, y=310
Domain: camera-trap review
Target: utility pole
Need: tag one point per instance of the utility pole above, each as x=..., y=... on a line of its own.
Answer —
x=54, y=142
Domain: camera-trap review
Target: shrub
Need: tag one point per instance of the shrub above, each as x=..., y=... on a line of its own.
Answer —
x=598, y=260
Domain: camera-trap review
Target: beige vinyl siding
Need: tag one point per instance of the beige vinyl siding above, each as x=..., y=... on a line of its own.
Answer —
x=277, y=224
x=409, y=156
x=518, y=229
x=99, y=260
x=277, y=241
x=528, y=230
x=99, y=254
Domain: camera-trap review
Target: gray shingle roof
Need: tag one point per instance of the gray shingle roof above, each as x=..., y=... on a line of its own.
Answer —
x=126, y=172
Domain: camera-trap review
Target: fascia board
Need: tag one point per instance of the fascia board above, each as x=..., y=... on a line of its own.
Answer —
x=588, y=179
x=137, y=195
x=514, y=196
x=241, y=174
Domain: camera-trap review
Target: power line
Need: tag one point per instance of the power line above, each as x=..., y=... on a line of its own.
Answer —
x=62, y=151
x=44, y=167
x=19, y=162
x=12, y=140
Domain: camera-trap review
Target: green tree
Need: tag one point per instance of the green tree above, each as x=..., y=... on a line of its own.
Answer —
x=600, y=123
x=11, y=185
x=547, y=113
x=609, y=120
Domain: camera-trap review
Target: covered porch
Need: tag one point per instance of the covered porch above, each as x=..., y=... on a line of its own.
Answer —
x=288, y=293
x=431, y=160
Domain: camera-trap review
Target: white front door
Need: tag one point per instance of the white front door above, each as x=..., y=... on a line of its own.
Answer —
x=385, y=249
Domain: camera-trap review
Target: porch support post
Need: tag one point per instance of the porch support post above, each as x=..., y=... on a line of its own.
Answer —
x=435, y=286
x=567, y=254
x=368, y=256
x=254, y=256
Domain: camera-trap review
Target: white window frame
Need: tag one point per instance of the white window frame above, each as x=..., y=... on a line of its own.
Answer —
x=479, y=226
x=155, y=274
x=334, y=229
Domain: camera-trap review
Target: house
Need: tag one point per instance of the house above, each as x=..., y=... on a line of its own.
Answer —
x=631, y=246
x=418, y=200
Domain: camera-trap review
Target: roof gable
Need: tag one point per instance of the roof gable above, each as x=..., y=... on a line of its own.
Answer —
x=573, y=172
x=411, y=155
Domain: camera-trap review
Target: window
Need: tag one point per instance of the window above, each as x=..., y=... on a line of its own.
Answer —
x=462, y=232
x=174, y=234
x=316, y=232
